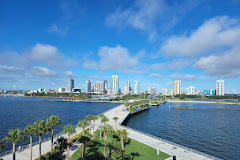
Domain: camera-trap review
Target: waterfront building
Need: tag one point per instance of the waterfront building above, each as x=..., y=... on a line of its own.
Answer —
x=105, y=85
x=171, y=92
x=114, y=84
x=191, y=90
x=220, y=87
x=136, y=87
x=92, y=88
x=177, y=87
x=126, y=88
x=61, y=90
x=70, y=85
x=88, y=86
x=206, y=92
x=164, y=92
x=153, y=91
x=99, y=87
x=213, y=92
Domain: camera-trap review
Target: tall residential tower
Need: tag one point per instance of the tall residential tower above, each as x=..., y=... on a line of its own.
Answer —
x=177, y=87
x=220, y=87
x=88, y=86
x=115, y=84
x=70, y=85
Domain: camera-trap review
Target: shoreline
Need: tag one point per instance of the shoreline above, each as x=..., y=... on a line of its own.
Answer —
x=181, y=101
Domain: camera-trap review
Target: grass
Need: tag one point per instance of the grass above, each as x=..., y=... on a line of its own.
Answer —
x=137, y=150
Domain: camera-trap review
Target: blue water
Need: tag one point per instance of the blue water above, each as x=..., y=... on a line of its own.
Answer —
x=215, y=132
x=23, y=111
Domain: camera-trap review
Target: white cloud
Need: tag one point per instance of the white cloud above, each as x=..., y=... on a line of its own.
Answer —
x=42, y=71
x=115, y=58
x=185, y=77
x=214, y=33
x=55, y=29
x=69, y=73
x=156, y=75
x=170, y=65
x=9, y=69
x=226, y=65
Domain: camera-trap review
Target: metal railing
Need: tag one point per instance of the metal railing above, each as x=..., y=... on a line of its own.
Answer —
x=174, y=144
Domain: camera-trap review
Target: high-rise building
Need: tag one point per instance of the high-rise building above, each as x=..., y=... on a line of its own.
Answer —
x=115, y=84
x=92, y=88
x=105, y=85
x=99, y=87
x=220, y=87
x=153, y=91
x=61, y=90
x=191, y=90
x=136, y=87
x=164, y=92
x=206, y=92
x=171, y=92
x=70, y=85
x=126, y=88
x=177, y=87
x=213, y=92
x=88, y=86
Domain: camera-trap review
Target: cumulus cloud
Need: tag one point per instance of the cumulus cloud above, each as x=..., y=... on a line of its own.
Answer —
x=155, y=75
x=69, y=74
x=50, y=55
x=214, y=33
x=9, y=69
x=226, y=65
x=115, y=58
x=185, y=77
x=42, y=71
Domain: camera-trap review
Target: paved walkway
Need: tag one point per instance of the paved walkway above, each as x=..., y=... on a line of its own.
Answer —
x=121, y=113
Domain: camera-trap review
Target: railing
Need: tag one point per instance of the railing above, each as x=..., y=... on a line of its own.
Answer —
x=174, y=144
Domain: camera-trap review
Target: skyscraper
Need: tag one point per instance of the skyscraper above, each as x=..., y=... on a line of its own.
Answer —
x=164, y=91
x=105, y=85
x=153, y=91
x=126, y=88
x=177, y=87
x=220, y=87
x=88, y=86
x=136, y=87
x=70, y=85
x=99, y=87
x=171, y=92
x=191, y=90
x=114, y=84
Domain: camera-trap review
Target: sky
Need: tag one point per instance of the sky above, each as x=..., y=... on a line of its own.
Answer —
x=156, y=42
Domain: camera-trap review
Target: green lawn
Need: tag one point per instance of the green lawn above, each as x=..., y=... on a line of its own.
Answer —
x=137, y=150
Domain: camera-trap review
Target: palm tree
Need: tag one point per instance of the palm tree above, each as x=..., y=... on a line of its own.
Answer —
x=122, y=134
x=52, y=121
x=112, y=144
x=106, y=129
x=115, y=118
x=2, y=144
x=61, y=143
x=101, y=116
x=89, y=119
x=94, y=118
x=30, y=130
x=40, y=128
x=83, y=139
x=83, y=124
x=14, y=136
x=69, y=129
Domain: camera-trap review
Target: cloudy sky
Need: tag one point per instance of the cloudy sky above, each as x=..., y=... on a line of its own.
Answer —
x=155, y=42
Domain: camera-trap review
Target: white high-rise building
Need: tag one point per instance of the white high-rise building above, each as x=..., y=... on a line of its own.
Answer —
x=220, y=87
x=164, y=92
x=153, y=91
x=115, y=84
x=136, y=87
x=70, y=85
x=177, y=87
x=191, y=90
x=88, y=86
x=99, y=87
x=126, y=88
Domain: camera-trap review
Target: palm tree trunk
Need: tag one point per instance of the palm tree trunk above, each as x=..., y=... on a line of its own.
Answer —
x=52, y=141
x=104, y=148
x=83, y=153
x=30, y=146
x=40, y=146
x=89, y=126
x=110, y=155
x=116, y=124
x=122, y=148
x=13, y=151
x=68, y=146
x=101, y=131
x=83, y=130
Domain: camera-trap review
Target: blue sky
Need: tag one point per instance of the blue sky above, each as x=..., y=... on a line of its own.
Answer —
x=154, y=42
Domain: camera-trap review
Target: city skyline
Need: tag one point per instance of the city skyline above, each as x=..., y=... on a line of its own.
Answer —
x=191, y=41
